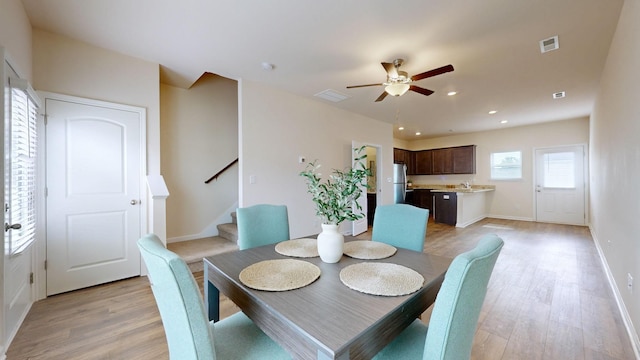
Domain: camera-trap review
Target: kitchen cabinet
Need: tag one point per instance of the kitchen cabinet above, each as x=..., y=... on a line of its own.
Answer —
x=423, y=198
x=402, y=156
x=446, y=208
x=371, y=207
x=454, y=160
x=463, y=159
x=423, y=162
x=409, y=198
x=442, y=161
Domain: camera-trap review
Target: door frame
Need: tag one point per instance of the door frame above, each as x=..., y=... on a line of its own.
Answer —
x=585, y=175
x=40, y=276
x=356, y=144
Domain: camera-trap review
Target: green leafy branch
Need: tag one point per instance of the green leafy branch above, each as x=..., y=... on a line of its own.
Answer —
x=334, y=198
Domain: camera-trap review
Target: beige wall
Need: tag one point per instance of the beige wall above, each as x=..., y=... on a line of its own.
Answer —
x=615, y=161
x=276, y=127
x=199, y=135
x=15, y=36
x=70, y=67
x=512, y=199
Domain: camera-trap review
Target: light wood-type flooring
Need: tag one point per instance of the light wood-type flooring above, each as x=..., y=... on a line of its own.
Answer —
x=548, y=298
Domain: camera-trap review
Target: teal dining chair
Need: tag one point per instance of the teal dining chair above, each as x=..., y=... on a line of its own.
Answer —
x=189, y=333
x=401, y=225
x=262, y=224
x=454, y=319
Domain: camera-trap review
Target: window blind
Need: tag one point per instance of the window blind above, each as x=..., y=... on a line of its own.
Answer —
x=22, y=205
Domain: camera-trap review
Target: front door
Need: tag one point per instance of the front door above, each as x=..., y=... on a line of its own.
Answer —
x=19, y=124
x=94, y=171
x=560, y=185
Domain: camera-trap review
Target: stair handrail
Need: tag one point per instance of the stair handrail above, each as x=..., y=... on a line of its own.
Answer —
x=214, y=177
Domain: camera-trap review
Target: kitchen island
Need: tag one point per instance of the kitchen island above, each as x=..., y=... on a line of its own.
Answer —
x=459, y=206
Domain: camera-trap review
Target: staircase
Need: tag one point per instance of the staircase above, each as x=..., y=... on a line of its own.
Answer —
x=193, y=251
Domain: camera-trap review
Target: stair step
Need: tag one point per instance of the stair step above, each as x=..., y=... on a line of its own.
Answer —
x=228, y=231
x=193, y=251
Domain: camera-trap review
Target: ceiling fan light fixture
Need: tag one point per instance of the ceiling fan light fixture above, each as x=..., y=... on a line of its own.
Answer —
x=396, y=89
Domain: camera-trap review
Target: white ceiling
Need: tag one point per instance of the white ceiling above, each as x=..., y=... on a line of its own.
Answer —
x=330, y=44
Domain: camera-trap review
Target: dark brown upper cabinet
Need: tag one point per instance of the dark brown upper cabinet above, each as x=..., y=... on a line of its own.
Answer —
x=442, y=161
x=407, y=157
x=423, y=162
x=452, y=160
x=464, y=159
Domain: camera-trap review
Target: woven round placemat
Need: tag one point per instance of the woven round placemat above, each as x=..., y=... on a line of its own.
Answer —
x=279, y=274
x=302, y=248
x=383, y=279
x=368, y=250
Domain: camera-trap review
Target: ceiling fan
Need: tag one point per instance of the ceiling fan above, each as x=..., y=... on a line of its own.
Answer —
x=398, y=81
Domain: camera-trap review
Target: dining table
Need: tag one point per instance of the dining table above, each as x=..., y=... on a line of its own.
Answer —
x=325, y=319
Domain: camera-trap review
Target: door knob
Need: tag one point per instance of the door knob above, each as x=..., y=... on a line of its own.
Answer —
x=8, y=227
x=133, y=202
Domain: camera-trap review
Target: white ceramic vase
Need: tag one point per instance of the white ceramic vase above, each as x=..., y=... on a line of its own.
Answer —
x=330, y=244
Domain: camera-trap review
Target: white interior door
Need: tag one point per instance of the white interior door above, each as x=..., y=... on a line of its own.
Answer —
x=94, y=190
x=560, y=185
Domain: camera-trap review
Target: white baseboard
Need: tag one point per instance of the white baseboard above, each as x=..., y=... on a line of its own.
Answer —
x=469, y=222
x=631, y=331
x=14, y=332
x=510, y=217
x=210, y=230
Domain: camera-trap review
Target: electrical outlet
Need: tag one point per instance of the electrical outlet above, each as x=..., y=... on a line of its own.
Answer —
x=629, y=282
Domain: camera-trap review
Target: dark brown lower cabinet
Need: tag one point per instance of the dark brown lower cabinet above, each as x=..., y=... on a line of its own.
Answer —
x=423, y=198
x=446, y=208
x=371, y=207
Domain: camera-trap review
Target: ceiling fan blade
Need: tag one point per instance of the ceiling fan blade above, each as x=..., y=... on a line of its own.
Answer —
x=359, y=86
x=390, y=68
x=434, y=72
x=420, y=90
x=382, y=96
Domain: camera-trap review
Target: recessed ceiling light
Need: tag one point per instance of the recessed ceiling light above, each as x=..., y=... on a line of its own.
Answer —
x=504, y=121
x=401, y=128
x=451, y=93
x=418, y=133
x=492, y=112
x=267, y=66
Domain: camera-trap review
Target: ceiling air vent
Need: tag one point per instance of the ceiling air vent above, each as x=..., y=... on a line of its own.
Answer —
x=549, y=44
x=332, y=95
x=559, y=95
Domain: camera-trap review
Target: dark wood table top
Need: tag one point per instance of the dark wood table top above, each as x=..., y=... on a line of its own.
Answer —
x=326, y=319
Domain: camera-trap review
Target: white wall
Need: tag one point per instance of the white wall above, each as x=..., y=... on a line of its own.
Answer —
x=276, y=127
x=199, y=135
x=615, y=161
x=512, y=199
x=66, y=66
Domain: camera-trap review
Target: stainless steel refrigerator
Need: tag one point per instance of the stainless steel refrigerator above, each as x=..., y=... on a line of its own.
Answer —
x=399, y=183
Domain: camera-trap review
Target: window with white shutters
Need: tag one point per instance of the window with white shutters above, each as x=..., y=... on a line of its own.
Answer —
x=21, y=209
